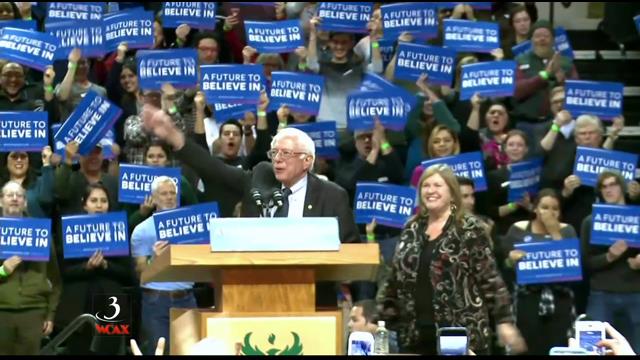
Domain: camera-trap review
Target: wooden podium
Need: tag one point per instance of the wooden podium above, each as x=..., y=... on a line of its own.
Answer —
x=257, y=284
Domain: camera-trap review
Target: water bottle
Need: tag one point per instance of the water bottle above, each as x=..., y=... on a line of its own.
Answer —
x=381, y=343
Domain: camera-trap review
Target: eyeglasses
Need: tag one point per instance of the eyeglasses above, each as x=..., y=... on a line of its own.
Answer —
x=18, y=156
x=284, y=154
x=16, y=195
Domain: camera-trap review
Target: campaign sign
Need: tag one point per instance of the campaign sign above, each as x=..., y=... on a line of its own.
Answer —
x=106, y=142
x=476, y=5
x=324, y=137
x=224, y=112
x=187, y=225
x=611, y=223
x=300, y=92
x=475, y=36
x=345, y=16
x=390, y=205
x=30, y=25
x=75, y=11
x=524, y=178
x=364, y=106
x=83, y=235
x=468, y=165
x=489, y=79
x=232, y=83
x=135, y=181
x=420, y=17
x=562, y=44
x=637, y=21
x=133, y=27
x=24, y=130
x=375, y=82
x=603, y=99
x=549, y=262
x=88, y=36
x=591, y=162
x=29, y=48
x=414, y=60
x=88, y=123
x=177, y=67
x=387, y=49
x=274, y=36
x=521, y=48
x=28, y=238
x=198, y=15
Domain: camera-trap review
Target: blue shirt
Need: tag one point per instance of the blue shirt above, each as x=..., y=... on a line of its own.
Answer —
x=142, y=240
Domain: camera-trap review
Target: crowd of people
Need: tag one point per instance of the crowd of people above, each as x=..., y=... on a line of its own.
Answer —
x=452, y=264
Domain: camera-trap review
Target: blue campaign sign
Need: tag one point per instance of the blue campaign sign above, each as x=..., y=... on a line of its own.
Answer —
x=637, y=21
x=106, y=142
x=88, y=123
x=475, y=36
x=476, y=5
x=549, y=262
x=611, y=223
x=198, y=15
x=387, y=49
x=591, y=162
x=135, y=181
x=225, y=112
x=29, y=48
x=420, y=17
x=83, y=235
x=521, y=48
x=133, y=27
x=24, y=130
x=524, y=178
x=468, y=165
x=75, y=11
x=300, y=92
x=364, y=106
x=414, y=60
x=28, y=238
x=30, y=25
x=274, y=36
x=187, y=225
x=390, y=205
x=232, y=83
x=562, y=43
x=603, y=99
x=345, y=16
x=375, y=82
x=88, y=36
x=177, y=67
x=489, y=79
x=324, y=136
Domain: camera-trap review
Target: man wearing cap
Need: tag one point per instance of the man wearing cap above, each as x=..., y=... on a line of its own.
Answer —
x=538, y=71
x=69, y=184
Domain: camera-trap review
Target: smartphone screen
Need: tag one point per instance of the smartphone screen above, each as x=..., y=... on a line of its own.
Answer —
x=589, y=340
x=452, y=341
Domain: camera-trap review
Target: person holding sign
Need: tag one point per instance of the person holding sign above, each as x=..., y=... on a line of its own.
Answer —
x=498, y=208
x=19, y=95
x=158, y=297
x=615, y=270
x=442, y=142
x=491, y=137
x=29, y=291
x=84, y=278
x=545, y=313
x=518, y=30
x=539, y=71
x=39, y=188
x=123, y=88
x=427, y=288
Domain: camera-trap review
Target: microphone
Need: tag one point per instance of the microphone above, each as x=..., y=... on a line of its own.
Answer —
x=256, y=196
x=278, y=198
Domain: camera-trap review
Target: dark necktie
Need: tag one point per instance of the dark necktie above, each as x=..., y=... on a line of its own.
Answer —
x=283, y=211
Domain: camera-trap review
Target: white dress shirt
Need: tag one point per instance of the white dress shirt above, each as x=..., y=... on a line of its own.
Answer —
x=296, y=199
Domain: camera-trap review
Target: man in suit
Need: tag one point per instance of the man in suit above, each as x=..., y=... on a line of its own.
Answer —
x=292, y=153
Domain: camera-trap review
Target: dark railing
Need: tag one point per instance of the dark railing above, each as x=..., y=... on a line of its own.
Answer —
x=52, y=347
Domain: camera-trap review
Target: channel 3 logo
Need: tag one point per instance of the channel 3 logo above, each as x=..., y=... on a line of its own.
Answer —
x=113, y=312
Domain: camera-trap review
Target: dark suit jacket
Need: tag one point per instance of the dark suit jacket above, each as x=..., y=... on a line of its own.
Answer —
x=223, y=182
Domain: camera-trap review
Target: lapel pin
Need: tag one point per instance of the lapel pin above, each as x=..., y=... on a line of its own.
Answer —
x=310, y=207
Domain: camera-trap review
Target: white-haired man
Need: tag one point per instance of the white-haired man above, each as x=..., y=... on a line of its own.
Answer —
x=158, y=297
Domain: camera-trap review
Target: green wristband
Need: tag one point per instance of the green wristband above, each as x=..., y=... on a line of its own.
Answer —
x=227, y=28
x=261, y=113
x=543, y=74
x=302, y=66
x=48, y=88
x=555, y=128
x=371, y=237
x=385, y=146
x=3, y=273
x=72, y=65
x=375, y=45
x=512, y=206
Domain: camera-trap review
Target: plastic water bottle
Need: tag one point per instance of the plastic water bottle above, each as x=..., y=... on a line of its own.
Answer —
x=381, y=343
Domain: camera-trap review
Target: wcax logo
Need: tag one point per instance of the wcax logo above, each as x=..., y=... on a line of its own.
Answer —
x=113, y=313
